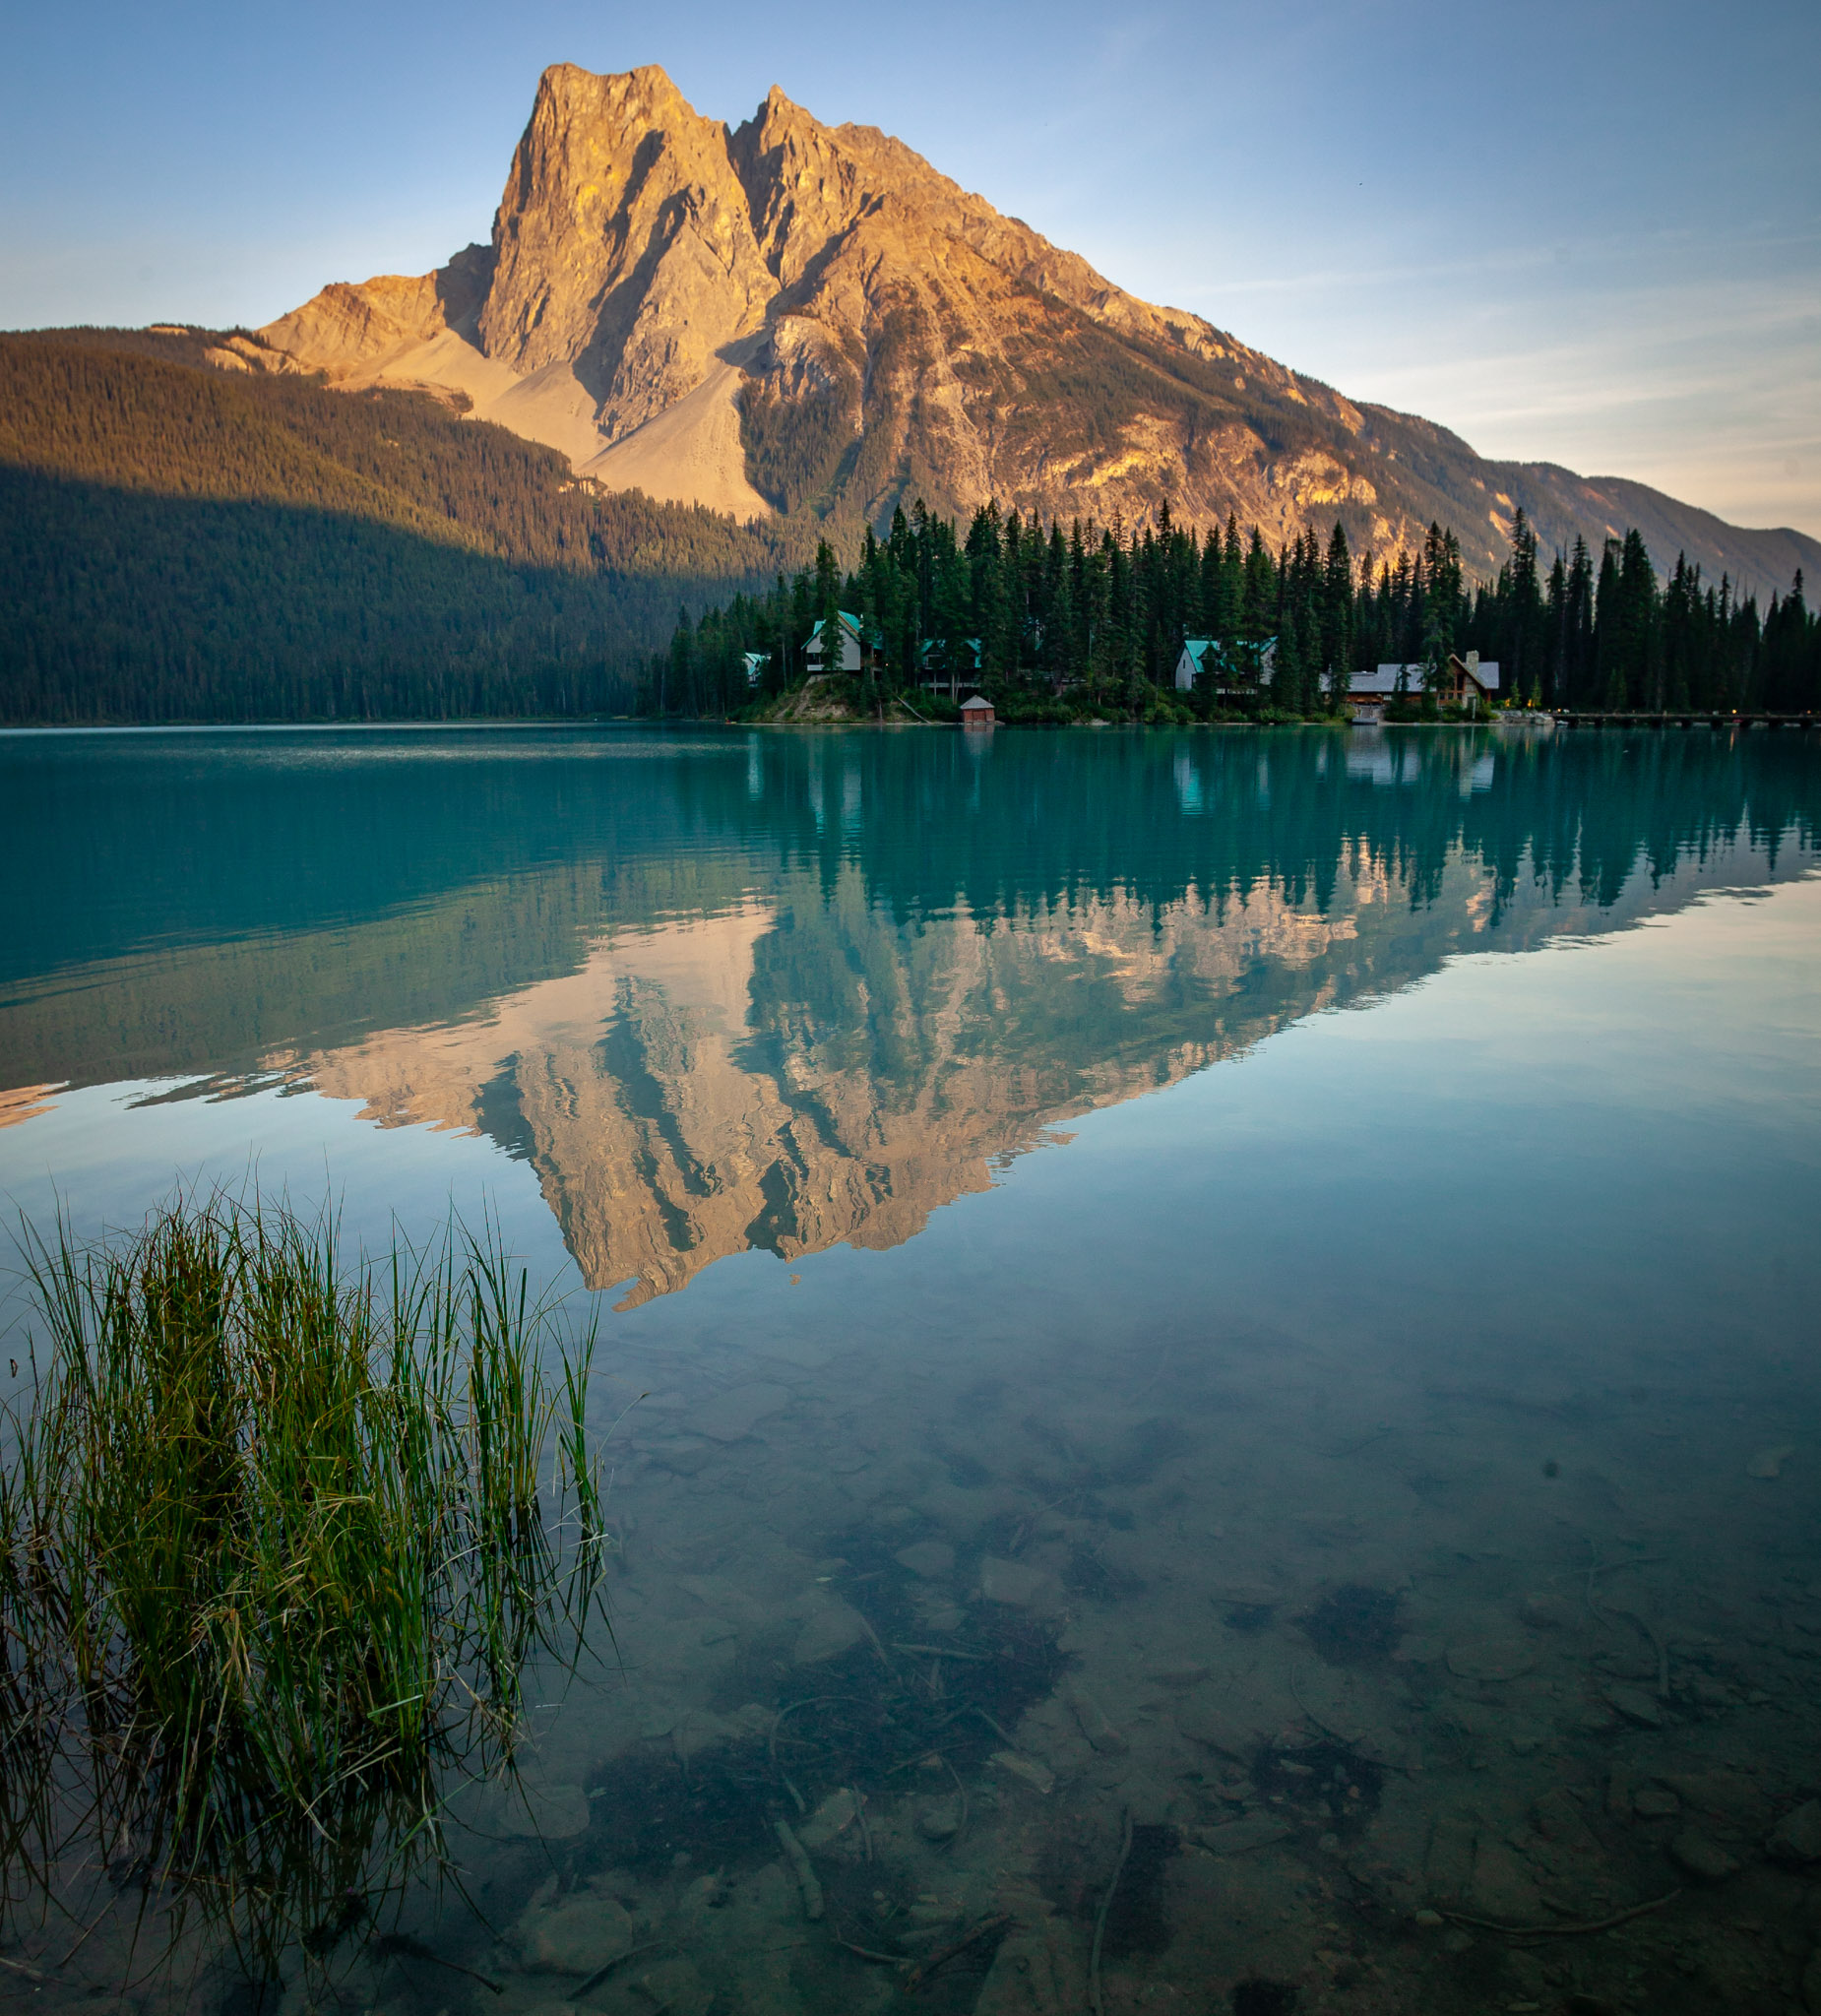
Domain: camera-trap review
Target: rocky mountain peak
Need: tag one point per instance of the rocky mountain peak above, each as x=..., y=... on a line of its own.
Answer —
x=622, y=246
x=788, y=316
x=808, y=184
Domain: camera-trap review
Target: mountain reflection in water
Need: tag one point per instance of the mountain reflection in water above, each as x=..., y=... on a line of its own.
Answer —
x=734, y=990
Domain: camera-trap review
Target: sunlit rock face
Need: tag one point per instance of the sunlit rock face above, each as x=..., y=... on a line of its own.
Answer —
x=787, y=314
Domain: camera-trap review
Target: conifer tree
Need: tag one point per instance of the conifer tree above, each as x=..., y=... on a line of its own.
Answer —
x=1258, y=591
x=1338, y=618
x=1522, y=628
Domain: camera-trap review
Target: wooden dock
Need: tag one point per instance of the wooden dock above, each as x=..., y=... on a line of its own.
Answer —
x=1680, y=718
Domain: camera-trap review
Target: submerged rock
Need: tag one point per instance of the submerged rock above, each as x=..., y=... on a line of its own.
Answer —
x=1502, y=1885
x=695, y=1731
x=1240, y=1837
x=1699, y=1854
x=1449, y=1862
x=930, y=1558
x=698, y=1729
x=1456, y=1715
x=939, y=1819
x=1354, y=1624
x=1094, y=1724
x=1768, y=1463
x=527, y=1810
x=726, y=1599
x=683, y=1456
x=559, y=1813
x=675, y=1985
x=1491, y=1659
x=1039, y=1777
x=1204, y=1720
x=1012, y=1583
x=1179, y=1675
x=1635, y=1705
x=827, y=1633
x=833, y=1818
x=1728, y=1795
x=1558, y=1818
x=1796, y=1837
x=732, y=1415
x=577, y=1935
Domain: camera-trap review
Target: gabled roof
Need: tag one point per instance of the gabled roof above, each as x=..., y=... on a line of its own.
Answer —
x=974, y=704
x=1198, y=647
x=931, y=643
x=1384, y=678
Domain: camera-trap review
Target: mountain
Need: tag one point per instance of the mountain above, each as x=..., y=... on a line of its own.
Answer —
x=792, y=318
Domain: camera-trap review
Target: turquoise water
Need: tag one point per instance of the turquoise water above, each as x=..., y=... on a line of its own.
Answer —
x=1265, y=1256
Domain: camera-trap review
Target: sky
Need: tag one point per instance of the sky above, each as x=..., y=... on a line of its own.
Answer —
x=1583, y=233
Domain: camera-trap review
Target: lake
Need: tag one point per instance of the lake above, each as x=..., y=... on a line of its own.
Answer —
x=1208, y=1339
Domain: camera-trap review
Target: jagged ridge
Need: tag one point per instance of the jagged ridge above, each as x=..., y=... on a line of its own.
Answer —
x=789, y=316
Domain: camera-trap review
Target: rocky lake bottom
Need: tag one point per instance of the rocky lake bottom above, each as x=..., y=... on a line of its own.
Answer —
x=1374, y=1688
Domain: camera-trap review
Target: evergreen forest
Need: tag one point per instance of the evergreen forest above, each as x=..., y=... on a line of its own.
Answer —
x=181, y=543
x=1059, y=623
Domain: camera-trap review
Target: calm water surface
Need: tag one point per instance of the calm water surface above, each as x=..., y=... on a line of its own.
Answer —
x=1259, y=1285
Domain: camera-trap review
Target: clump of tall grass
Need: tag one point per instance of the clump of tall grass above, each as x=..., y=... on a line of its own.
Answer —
x=278, y=1539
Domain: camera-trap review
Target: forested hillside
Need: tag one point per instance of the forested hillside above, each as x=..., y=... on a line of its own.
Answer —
x=177, y=543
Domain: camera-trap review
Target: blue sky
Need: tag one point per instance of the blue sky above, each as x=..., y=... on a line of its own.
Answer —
x=1583, y=233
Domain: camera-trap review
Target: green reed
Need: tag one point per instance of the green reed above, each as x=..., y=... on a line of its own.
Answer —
x=277, y=1540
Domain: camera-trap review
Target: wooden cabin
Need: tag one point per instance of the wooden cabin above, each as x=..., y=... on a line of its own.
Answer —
x=1469, y=681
